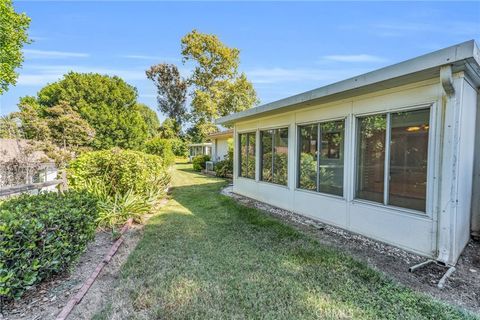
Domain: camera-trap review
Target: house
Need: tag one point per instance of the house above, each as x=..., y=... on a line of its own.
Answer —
x=21, y=163
x=388, y=154
x=220, y=144
x=196, y=149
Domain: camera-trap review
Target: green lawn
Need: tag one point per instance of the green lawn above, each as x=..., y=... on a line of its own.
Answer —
x=206, y=257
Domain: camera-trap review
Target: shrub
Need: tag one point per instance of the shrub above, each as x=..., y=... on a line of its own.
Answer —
x=41, y=235
x=126, y=183
x=179, y=148
x=224, y=168
x=118, y=171
x=162, y=148
x=199, y=162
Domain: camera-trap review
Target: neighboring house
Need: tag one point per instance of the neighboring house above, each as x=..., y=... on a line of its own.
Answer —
x=20, y=164
x=220, y=144
x=388, y=154
x=196, y=149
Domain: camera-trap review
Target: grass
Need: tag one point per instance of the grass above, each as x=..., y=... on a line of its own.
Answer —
x=206, y=257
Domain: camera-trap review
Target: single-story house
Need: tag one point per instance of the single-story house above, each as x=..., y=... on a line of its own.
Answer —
x=21, y=163
x=196, y=149
x=392, y=154
x=220, y=144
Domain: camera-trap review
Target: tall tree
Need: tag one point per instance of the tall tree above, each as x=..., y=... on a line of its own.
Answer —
x=13, y=35
x=9, y=127
x=171, y=90
x=219, y=89
x=107, y=104
x=150, y=118
x=170, y=129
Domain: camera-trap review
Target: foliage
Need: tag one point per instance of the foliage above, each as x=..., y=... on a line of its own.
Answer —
x=13, y=35
x=280, y=168
x=41, y=235
x=179, y=148
x=224, y=168
x=150, y=118
x=9, y=127
x=33, y=125
x=107, y=104
x=118, y=171
x=199, y=162
x=218, y=88
x=170, y=129
x=171, y=91
x=162, y=148
x=204, y=255
x=200, y=130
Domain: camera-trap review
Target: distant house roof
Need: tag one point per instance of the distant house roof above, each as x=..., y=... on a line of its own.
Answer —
x=222, y=134
x=21, y=150
x=462, y=57
x=203, y=144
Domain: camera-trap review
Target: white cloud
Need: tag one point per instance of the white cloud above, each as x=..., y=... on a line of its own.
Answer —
x=354, y=58
x=44, y=54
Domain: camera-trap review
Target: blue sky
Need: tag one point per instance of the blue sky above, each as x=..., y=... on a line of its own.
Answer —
x=286, y=48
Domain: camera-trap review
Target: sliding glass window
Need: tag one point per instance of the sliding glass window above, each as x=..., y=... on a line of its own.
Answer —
x=247, y=155
x=392, y=158
x=274, y=161
x=321, y=157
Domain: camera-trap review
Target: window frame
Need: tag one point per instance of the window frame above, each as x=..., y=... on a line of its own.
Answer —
x=239, y=157
x=260, y=154
x=432, y=145
x=319, y=144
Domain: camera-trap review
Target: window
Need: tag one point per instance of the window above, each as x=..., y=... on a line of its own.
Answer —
x=401, y=180
x=321, y=160
x=247, y=155
x=274, y=161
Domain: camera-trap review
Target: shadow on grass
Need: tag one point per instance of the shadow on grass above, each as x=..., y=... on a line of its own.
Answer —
x=206, y=256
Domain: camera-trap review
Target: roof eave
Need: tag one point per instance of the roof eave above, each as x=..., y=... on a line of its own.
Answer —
x=464, y=56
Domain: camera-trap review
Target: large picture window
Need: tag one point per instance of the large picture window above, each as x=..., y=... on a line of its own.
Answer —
x=392, y=158
x=274, y=161
x=321, y=157
x=247, y=155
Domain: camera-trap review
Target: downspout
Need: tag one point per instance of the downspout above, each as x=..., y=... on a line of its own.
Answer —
x=446, y=207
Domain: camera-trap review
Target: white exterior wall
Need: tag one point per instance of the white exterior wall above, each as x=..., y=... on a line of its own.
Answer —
x=410, y=230
x=220, y=149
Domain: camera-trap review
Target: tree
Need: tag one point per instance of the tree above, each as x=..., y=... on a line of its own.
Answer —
x=13, y=35
x=67, y=128
x=107, y=104
x=9, y=127
x=170, y=129
x=218, y=87
x=150, y=118
x=171, y=90
x=33, y=124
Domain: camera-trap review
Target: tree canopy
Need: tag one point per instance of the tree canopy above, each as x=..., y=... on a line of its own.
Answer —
x=150, y=118
x=107, y=104
x=171, y=91
x=13, y=35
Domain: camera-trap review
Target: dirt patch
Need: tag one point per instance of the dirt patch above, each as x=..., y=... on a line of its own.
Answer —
x=47, y=299
x=462, y=287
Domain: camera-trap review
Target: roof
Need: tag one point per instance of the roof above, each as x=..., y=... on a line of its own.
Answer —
x=462, y=57
x=22, y=150
x=203, y=144
x=222, y=134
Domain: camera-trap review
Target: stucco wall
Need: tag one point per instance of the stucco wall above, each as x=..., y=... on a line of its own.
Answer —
x=404, y=228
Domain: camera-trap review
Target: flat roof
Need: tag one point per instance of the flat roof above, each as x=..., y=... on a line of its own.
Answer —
x=462, y=57
x=221, y=134
x=203, y=144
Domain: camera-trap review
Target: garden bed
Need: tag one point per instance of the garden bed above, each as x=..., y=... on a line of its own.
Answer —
x=462, y=287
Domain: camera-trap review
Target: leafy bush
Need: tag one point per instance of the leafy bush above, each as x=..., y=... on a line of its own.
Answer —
x=199, y=162
x=224, y=168
x=41, y=235
x=179, y=148
x=162, y=148
x=118, y=171
x=126, y=183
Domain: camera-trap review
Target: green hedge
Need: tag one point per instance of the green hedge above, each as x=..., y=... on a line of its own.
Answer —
x=162, y=148
x=198, y=162
x=41, y=235
x=118, y=172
